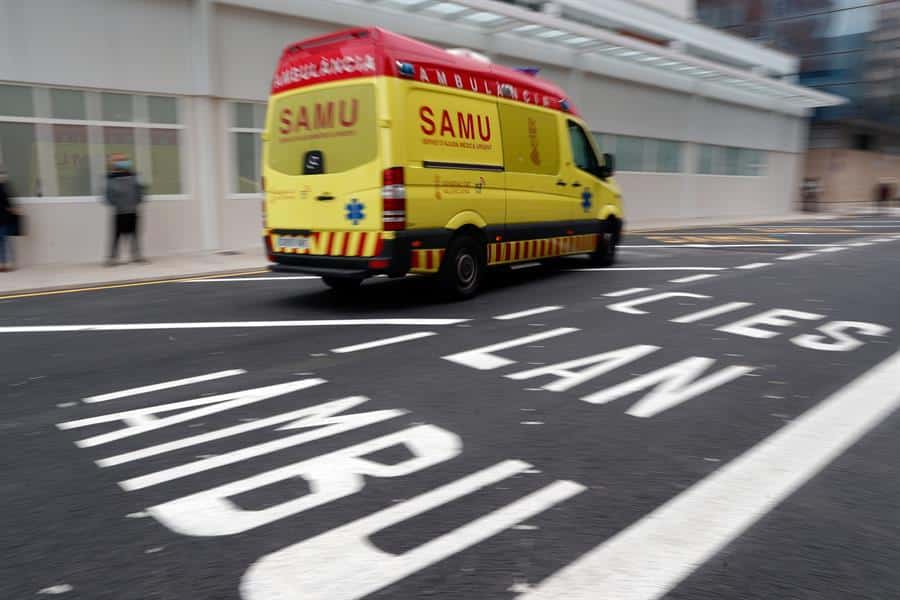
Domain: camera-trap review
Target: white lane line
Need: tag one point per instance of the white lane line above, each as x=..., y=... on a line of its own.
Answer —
x=756, y=265
x=692, y=278
x=383, y=342
x=712, y=312
x=882, y=240
x=651, y=269
x=860, y=244
x=798, y=256
x=730, y=246
x=163, y=386
x=226, y=325
x=527, y=313
x=230, y=279
x=628, y=292
x=835, y=249
x=652, y=556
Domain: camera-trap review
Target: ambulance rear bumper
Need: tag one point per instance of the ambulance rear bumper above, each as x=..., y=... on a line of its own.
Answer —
x=393, y=262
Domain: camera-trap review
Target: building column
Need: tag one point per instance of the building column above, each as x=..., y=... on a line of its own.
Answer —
x=205, y=126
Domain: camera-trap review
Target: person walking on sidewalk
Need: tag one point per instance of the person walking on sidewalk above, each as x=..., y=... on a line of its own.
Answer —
x=123, y=193
x=9, y=219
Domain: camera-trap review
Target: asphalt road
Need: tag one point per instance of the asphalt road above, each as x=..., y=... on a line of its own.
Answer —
x=714, y=418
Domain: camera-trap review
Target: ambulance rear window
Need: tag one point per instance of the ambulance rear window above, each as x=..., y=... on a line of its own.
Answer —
x=333, y=128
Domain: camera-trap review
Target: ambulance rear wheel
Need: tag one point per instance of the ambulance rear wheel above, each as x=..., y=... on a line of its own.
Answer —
x=342, y=284
x=607, y=242
x=463, y=268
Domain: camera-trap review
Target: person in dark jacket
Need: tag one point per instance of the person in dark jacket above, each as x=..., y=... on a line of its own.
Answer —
x=124, y=194
x=8, y=217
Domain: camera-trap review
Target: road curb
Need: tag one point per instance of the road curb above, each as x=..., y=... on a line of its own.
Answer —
x=112, y=283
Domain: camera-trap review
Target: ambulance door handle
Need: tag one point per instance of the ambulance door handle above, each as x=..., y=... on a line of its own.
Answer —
x=325, y=197
x=561, y=182
x=576, y=184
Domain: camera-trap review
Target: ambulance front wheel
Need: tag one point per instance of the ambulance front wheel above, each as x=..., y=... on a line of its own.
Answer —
x=607, y=242
x=342, y=284
x=463, y=268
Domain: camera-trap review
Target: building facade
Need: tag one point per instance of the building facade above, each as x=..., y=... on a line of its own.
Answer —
x=845, y=47
x=702, y=123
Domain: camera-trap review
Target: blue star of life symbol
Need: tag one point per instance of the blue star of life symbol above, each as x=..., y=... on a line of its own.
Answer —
x=355, y=212
x=586, y=203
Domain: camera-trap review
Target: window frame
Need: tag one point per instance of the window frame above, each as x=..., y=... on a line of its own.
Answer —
x=93, y=122
x=232, y=170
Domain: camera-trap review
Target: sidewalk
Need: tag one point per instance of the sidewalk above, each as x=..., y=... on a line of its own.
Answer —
x=716, y=222
x=53, y=277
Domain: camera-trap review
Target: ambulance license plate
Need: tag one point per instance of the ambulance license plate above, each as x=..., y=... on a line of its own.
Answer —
x=298, y=242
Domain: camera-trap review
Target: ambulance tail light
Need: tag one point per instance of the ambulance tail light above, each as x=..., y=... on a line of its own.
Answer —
x=393, y=195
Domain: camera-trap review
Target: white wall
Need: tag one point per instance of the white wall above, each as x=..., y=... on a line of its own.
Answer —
x=134, y=45
x=153, y=46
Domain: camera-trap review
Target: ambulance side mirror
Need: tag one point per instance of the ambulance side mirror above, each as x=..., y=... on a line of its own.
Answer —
x=608, y=168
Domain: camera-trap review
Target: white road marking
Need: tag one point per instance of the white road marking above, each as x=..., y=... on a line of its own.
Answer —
x=341, y=564
x=882, y=240
x=693, y=278
x=483, y=358
x=628, y=292
x=321, y=417
x=230, y=279
x=652, y=556
x=756, y=265
x=707, y=246
x=531, y=423
x=384, y=342
x=163, y=386
x=227, y=325
x=56, y=589
x=527, y=313
x=798, y=256
x=651, y=269
x=835, y=249
x=712, y=312
x=860, y=244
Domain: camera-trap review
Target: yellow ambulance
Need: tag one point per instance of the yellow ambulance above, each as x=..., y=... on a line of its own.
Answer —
x=385, y=155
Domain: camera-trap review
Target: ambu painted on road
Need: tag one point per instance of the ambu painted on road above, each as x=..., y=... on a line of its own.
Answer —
x=384, y=155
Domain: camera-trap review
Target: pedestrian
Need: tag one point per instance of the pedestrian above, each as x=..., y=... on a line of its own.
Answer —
x=124, y=194
x=9, y=223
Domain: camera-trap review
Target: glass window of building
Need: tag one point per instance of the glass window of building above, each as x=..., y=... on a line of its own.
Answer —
x=668, y=156
x=162, y=109
x=117, y=107
x=248, y=121
x=18, y=155
x=16, y=101
x=165, y=159
x=629, y=153
x=67, y=104
x=73, y=166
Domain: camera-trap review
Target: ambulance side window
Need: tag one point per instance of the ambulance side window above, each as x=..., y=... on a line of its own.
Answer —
x=582, y=152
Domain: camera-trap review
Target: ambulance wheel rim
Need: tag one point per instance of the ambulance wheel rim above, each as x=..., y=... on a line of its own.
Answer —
x=466, y=269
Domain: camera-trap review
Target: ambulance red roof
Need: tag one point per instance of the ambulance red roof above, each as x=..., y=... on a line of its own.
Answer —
x=366, y=52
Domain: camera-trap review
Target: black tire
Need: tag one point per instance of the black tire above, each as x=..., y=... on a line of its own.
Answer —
x=342, y=284
x=463, y=268
x=608, y=242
